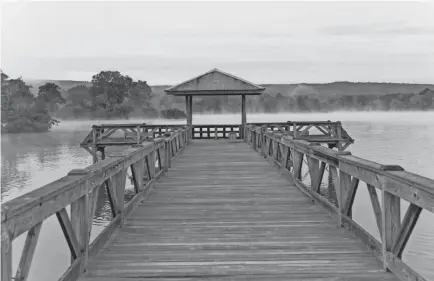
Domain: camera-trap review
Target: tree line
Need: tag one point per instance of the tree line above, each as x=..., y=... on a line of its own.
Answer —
x=266, y=103
x=111, y=95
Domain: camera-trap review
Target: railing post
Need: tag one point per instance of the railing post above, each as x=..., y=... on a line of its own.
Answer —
x=339, y=135
x=94, y=136
x=80, y=225
x=275, y=148
x=151, y=160
x=391, y=220
x=264, y=142
x=344, y=186
x=6, y=254
x=138, y=134
x=167, y=156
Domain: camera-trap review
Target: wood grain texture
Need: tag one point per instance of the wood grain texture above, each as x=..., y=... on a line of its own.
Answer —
x=224, y=213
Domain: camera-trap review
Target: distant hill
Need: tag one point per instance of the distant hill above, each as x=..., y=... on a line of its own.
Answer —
x=329, y=89
x=345, y=89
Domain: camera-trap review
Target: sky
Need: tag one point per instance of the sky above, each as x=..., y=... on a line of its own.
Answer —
x=263, y=42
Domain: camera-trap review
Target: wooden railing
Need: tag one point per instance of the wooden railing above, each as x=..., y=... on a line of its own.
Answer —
x=99, y=133
x=158, y=131
x=215, y=131
x=331, y=133
x=347, y=171
x=79, y=190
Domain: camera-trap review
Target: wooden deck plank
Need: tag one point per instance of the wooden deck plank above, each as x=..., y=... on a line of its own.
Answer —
x=224, y=213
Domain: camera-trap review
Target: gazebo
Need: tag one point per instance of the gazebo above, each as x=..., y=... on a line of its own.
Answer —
x=213, y=83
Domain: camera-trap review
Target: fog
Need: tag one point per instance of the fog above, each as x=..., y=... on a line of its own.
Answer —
x=409, y=117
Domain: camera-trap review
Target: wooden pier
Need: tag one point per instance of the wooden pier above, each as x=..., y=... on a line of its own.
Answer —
x=211, y=209
x=223, y=212
x=205, y=207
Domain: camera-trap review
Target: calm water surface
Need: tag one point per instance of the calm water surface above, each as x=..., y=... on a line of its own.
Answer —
x=29, y=161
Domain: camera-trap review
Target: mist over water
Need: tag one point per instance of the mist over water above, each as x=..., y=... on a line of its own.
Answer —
x=30, y=161
x=376, y=117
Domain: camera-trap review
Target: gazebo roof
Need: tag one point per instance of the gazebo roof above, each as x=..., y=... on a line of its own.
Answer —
x=215, y=82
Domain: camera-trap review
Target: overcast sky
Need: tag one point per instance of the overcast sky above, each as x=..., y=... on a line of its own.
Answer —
x=268, y=42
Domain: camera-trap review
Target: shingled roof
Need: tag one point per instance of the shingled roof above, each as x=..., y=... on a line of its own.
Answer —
x=215, y=82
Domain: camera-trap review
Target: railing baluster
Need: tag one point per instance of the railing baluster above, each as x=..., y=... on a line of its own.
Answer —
x=347, y=209
x=28, y=252
x=375, y=206
x=69, y=233
x=408, y=223
x=92, y=208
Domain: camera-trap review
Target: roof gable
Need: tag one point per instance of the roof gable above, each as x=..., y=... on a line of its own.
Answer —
x=215, y=82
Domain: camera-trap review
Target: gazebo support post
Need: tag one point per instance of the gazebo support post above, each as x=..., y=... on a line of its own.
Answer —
x=243, y=115
x=189, y=109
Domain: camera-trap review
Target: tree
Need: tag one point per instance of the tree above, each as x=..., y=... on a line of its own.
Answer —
x=396, y=104
x=79, y=96
x=49, y=96
x=268, y=102
x=110, y=88
x=141, y=94
x=18, y=94
x=20, y=113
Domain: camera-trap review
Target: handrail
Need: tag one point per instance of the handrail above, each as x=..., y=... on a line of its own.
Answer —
x=347, y=171
x=79, y=189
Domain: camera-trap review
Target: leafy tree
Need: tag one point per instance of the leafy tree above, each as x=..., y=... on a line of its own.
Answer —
x=269, y=103
x=110, y=88
x=20, y=112
x=29, y=120
x=396, y=104
x=49, y=96
x=79, y=96
x=19, y=94
x=141, y=94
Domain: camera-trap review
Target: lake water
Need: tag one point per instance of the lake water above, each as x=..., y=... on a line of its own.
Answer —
x=29, y=161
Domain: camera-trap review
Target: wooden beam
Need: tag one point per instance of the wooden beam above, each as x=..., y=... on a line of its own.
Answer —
x=320, y=176
x=375, y=206
x=6, y=253
x=190, y=115
x=80, y=226
x=344, y=187
x=28, y=252
x=187, y=109
x=314, y=172
x=243, y=113
x=69, y=233
x=94, y=136
x=347, y=209
x=391, y=222
x=92, y=208
x=408, y=224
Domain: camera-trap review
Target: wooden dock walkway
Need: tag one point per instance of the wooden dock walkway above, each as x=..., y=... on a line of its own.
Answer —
x=206, y=209
x=224, y=213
